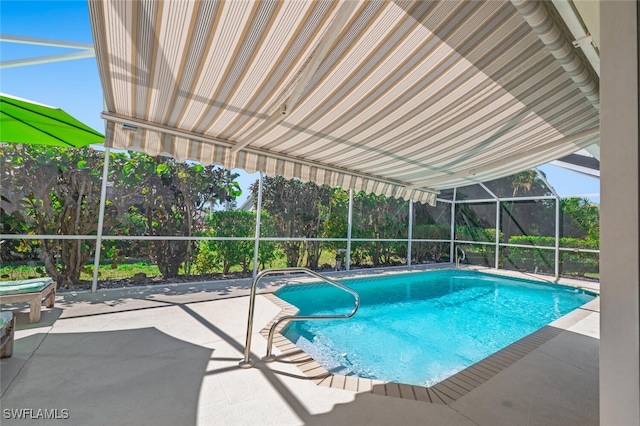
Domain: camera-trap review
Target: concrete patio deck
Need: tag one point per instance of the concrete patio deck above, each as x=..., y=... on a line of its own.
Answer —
x=169, y=355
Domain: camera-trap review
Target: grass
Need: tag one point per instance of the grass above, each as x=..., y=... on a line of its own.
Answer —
x=128, y=269
x=21, y=272
x=123, y=270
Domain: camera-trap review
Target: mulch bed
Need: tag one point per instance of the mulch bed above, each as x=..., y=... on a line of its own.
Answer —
x=138, y=281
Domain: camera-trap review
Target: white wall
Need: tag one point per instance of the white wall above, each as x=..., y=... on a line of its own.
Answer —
x=619, y=230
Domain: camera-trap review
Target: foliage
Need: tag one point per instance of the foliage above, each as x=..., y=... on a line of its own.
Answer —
x=298, y=210
x=580, y=218
x=479, y=254
x=10, y=250
x=228, y=253
x=268, y=251
x=337, y=224
x=166, y=198
x=431, y=251
x=468, y=233
x=55, y=192
x=475, y=215
x=378, y=217
x=578, y=243
x=543, y=260
x=525, y=183
x=127, y=269
x=526, y=217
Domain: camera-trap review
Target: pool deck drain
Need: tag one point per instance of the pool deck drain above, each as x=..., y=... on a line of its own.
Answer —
x=444, y=392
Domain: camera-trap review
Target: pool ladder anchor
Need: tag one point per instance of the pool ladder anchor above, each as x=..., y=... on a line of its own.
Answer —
x=458, y=259
x=269, y=357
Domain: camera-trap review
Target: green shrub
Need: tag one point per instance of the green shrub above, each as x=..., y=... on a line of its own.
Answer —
x=430, y=251
x=223, y=255
x=531, y=259
x=468, y=233
x=543, y=260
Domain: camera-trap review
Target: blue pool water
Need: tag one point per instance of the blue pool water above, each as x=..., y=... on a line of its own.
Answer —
x=421, y=328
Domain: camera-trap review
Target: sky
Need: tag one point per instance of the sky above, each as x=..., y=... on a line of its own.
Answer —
x=75, y=85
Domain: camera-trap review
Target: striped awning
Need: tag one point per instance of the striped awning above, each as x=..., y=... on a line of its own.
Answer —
x=401, y=98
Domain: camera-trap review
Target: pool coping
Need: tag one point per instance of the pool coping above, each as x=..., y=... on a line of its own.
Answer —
x=444, y=392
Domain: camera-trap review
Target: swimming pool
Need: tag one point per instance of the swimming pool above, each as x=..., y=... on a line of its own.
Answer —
x=420, y=328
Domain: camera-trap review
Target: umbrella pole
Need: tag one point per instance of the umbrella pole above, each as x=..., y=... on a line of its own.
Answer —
x=103, y=198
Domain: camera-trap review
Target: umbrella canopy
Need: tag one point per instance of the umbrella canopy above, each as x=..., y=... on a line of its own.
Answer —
x=27, y=122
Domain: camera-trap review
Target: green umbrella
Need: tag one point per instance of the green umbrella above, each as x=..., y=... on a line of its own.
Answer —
x=26, y=122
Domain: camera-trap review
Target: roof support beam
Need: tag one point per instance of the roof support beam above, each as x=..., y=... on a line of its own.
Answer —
x=47, y=59
x=511, y=158
x=133, y=124
x=87, y=51
x=594, y=150
x=546, y=182
x=490, y=192
x=44, y=42
x=335, y=28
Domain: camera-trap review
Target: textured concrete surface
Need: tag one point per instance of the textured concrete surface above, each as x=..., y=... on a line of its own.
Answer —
x=170, y=356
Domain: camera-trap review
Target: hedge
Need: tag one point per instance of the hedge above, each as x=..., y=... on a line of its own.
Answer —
x=468, y=233
x=430, y=252
x=543, y=260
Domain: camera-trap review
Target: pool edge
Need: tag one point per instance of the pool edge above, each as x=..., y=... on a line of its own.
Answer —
x=444, y=392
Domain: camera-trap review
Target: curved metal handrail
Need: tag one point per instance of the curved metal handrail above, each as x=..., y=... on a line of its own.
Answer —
x=246, y=362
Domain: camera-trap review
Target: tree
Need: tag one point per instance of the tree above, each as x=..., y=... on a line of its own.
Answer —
x=298, y=210
x=379, y=217
x=525, y=217
x=55, y=191
x=431, y=222
x=229, y=223
x=171, y=200
x=580, y=218
x=229, y=253
x=336, y=225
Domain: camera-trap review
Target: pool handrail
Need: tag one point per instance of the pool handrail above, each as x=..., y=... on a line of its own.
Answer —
x=246, y=362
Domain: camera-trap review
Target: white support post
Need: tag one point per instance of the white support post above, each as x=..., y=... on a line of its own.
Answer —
x=347, y=263
x=256, y=247
x=498, y=201
x=557, y=253
x=453, y=226
x=557, y=236
x=619, y=343
x=410, y=232
x=103, y=199
x=497, y=264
